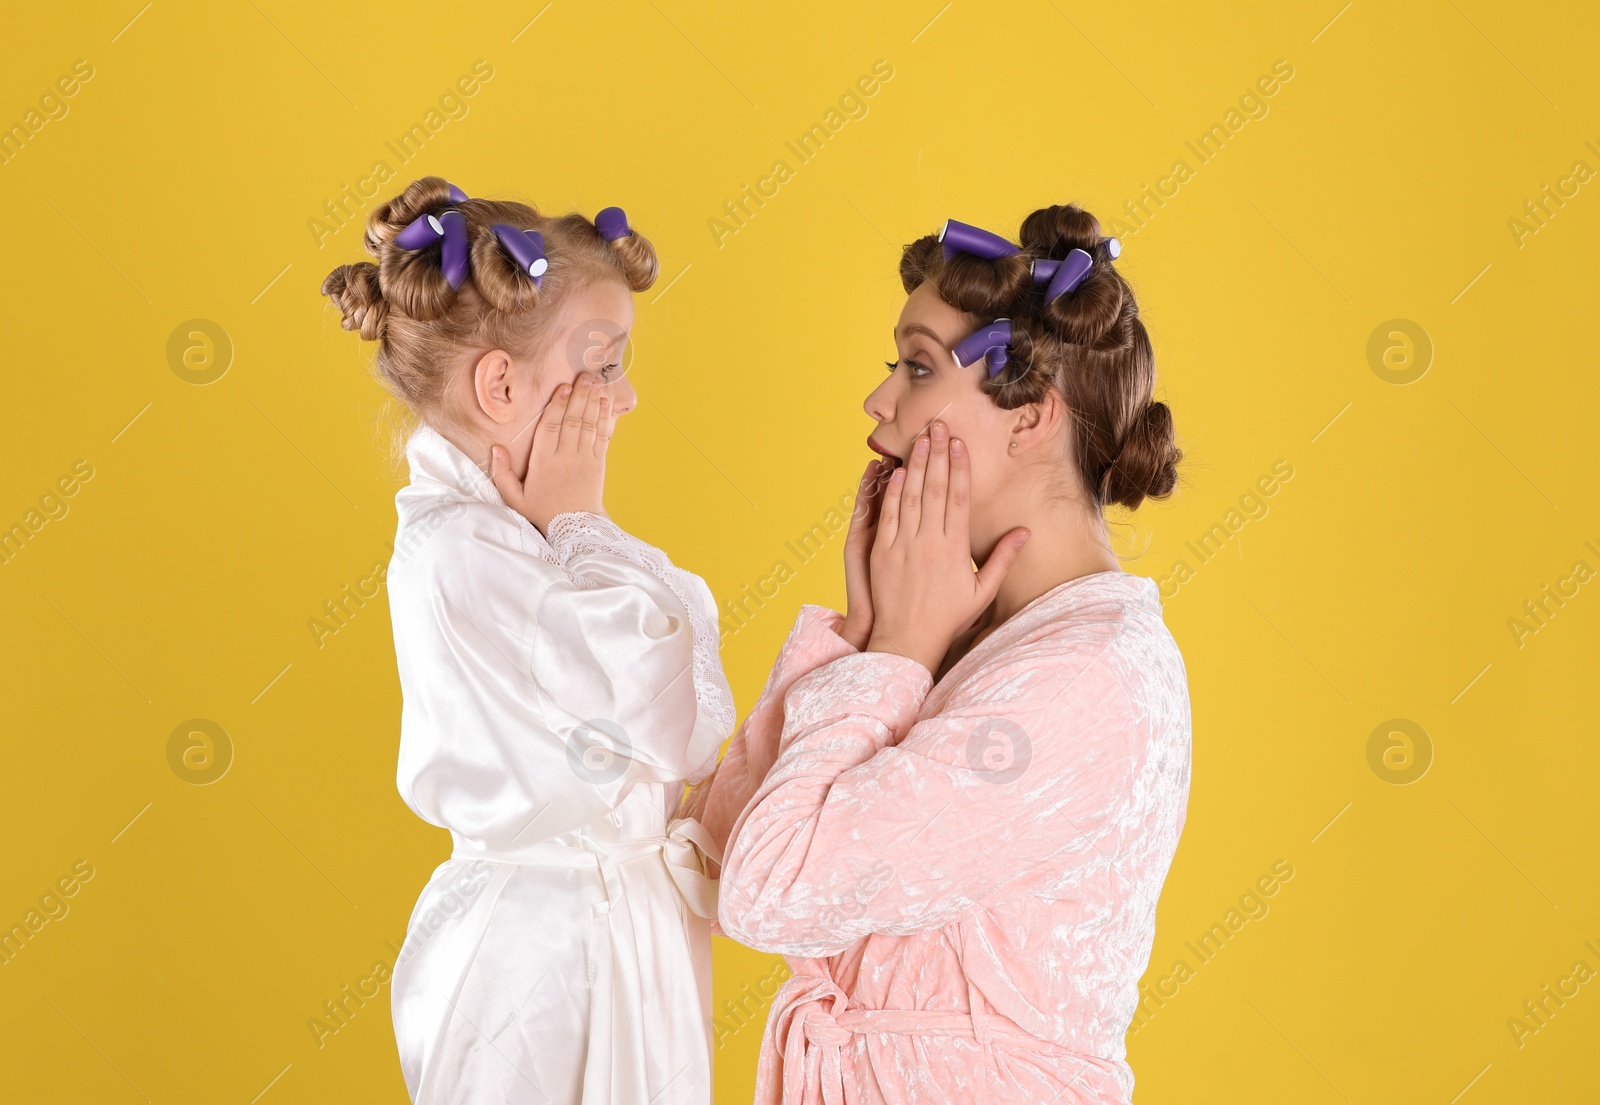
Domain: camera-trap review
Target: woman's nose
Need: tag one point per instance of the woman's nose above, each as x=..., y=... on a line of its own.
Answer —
x=877, y=404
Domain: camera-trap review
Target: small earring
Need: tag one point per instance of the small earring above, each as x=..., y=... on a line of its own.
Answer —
x=1013, y=444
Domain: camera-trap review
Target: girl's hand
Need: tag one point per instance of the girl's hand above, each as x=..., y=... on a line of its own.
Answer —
x=566, y=456
x=857, y=628
x=924, y=590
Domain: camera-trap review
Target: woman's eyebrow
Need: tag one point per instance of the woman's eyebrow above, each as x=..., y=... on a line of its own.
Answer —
x=918, y=328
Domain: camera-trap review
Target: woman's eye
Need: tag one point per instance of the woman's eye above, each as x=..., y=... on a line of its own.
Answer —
x=918, y=370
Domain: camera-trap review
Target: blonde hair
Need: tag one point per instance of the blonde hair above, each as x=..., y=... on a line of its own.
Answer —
x=423, y=327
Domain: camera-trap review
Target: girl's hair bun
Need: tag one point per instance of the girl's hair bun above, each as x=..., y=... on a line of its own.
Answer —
x=355, y=290
x=636, y=257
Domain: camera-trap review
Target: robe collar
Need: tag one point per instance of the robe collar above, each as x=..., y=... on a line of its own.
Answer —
x=435, y=457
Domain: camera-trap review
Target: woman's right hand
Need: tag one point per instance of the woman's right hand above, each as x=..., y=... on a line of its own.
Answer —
x=566, y=456
x=857, y=627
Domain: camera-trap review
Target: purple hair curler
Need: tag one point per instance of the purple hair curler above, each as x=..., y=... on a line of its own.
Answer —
x=1068, y=275
x=525, y=247
x=543, y=263
x=1044, y=268
x=612, y=223
x=456, y=194
x=991, y=341
x=423, y=231
x=959, y=237
x=453, y=259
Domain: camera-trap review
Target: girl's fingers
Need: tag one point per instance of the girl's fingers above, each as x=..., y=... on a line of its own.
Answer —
x=936, y=481
x=606, y=426
x=505, y=480
x=958, y=505
x=916, y=470
x=590, y=424
x=547, y=435
x=577, y=411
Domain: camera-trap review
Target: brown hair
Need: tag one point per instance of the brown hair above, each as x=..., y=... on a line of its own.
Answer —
x=423, y=328
x=1088, y=344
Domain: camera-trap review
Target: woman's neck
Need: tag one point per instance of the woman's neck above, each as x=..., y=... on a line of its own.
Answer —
x=1067, y=542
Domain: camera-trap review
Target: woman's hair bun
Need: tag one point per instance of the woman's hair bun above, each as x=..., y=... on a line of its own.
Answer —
x=1085, y=316
x=1146, y=465
x=355, y=290
x=977, y=285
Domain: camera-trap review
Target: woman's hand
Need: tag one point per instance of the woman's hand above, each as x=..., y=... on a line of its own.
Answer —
x=924, y=590
x=857, y=628
x=566, y=456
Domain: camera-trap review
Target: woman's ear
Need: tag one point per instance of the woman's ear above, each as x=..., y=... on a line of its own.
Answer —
x=1033, y=423
x=492, y=379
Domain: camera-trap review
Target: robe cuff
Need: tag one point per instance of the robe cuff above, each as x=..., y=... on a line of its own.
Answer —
x=575, y=532
x=883, y=686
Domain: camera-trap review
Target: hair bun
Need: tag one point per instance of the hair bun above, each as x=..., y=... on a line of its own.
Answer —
x=1084, y=316
x=423, y=195
x=1146, y=466
x=636, y=257
x=356, y=291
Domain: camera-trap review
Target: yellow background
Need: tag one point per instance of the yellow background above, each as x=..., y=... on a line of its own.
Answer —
x=1379, y=584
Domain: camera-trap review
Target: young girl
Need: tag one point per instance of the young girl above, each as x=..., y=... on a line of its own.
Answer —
x=953, y=808
x=560, y=677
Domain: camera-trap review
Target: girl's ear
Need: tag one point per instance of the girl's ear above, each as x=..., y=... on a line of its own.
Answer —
x=491, y=385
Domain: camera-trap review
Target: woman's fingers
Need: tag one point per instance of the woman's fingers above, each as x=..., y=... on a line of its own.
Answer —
x=959, y=502
x=889, y=509
x=999, y=563
x=916, y=470
x=936, y=482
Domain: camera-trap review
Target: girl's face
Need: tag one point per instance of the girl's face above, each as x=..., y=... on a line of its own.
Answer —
x=591, y=336
x=925, y=383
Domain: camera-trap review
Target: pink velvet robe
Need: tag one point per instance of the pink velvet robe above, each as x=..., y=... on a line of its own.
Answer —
x=962, y=876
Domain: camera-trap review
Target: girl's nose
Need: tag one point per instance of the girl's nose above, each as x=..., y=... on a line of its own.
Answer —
x=623, y=397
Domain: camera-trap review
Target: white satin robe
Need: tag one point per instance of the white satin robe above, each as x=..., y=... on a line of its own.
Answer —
x=557, y=694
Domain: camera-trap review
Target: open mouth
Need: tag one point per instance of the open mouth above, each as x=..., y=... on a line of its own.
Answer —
x=894, y=461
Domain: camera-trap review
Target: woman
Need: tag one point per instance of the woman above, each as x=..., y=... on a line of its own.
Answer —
x=953, y=807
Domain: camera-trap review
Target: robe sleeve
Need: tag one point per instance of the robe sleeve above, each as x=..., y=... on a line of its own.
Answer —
x=625, y=655
x=718, y=801
x=872, y=821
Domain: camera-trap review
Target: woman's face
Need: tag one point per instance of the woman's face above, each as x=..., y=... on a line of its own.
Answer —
x=925, y=383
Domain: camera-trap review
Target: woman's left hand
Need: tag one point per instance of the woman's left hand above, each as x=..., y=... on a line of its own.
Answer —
x=925, y=592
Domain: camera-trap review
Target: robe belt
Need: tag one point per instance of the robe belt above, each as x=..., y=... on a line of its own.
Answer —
x=812, y=1020
x=680, y=850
